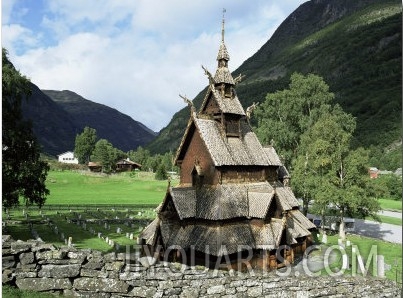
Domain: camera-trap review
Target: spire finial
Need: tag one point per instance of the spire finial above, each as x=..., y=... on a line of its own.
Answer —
x=223, y=21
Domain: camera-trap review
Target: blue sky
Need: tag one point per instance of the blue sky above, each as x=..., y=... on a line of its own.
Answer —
x=134, y=55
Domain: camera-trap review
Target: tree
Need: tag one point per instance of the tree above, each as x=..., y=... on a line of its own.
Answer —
x=161, y=173
x=107, y=155
x=314, y=136
x=140, y=156
x=85, y=144
x=285, y=115
x=341, y=173
x=23, y=172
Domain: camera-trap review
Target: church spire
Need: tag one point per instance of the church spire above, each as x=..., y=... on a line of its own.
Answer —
x=223, y=75
x=222, y=52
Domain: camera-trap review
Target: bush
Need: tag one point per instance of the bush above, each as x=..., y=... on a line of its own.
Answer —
x=161, y=173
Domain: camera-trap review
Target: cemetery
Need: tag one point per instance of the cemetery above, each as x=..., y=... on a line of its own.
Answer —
x=105, y=228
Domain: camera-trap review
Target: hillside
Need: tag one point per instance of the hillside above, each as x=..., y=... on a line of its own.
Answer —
x=354, y=45
x=58, y=116
x=119, y=129
x=52, y=125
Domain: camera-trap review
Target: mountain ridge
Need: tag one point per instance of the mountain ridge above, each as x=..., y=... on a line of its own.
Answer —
x=354, y=45
x=58, y=116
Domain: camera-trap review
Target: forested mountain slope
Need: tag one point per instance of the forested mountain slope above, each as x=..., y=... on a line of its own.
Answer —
x=354, y=45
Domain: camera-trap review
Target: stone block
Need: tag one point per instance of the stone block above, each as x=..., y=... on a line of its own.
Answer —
x=6, y=240
x=114, y=266
x=188, y=292
x=43, y=284
x=93, y=273
x=27, y=258
x=107, y=285
x=7, y=276
x=255, y=291
x=128, y=275
x=109, y=257
x=85, y=294
x=143, y=291
x=220, y=289
x=8, y=262
x=25, y=273
x=43, y=247
x=59, y=271
x=20, y=246
x=95, y=264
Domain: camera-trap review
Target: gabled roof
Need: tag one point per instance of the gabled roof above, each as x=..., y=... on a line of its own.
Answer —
x=227, y=105
x=245, y=150
x=127, y=162
x=272, y=156
x=67, y=152
x=223, y=75
x=286, y=198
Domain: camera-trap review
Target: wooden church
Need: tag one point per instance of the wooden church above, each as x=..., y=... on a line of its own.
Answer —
x=233, y=200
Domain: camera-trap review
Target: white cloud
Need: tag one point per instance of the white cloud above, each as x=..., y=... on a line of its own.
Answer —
x=137, y=56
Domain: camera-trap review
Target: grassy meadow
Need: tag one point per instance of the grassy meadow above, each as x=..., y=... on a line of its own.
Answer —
x=72, y=188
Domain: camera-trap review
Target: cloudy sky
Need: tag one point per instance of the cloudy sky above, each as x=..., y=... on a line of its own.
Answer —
x=134, y=55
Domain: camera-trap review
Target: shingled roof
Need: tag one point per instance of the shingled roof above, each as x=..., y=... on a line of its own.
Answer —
x=245, y=150
x=222, y=201
x=221, y=239
x=237, y=198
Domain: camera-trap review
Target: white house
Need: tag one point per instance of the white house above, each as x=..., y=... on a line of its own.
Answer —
x=67, y=157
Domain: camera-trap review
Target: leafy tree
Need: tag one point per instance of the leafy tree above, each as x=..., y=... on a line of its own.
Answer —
x=85, y=144
x=314, y=137
x=387, y=186
x=140, y=156
x=341, y=173
x=285, y=115
x=107, y=155
x=23, y=172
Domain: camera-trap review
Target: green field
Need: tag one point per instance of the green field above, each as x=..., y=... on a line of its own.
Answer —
x=72, y=188
x=392, y=205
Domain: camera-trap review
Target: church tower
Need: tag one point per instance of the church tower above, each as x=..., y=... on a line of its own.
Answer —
x=232, y=198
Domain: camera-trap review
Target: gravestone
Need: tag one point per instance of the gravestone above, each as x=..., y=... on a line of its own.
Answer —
x=324, y=238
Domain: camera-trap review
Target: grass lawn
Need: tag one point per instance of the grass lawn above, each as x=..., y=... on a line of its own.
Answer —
x=70, y=188
x=390, y=220
x=392, y=205
x=392, y=253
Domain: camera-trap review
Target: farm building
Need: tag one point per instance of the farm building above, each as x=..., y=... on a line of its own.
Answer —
x=94, y=167
x=126, y=165
x=233, y=198
x=67, y=157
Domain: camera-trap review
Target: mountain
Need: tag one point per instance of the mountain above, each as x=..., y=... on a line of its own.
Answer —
x=58, y=116
x=52, y=125
x=354, y=45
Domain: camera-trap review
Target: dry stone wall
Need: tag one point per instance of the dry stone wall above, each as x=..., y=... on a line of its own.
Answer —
x=37, y=266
